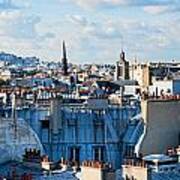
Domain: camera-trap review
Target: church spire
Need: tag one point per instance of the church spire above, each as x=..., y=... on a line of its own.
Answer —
x=64, y=50
x=64, y=60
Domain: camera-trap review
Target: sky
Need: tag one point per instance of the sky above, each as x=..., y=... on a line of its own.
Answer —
x=95, y=31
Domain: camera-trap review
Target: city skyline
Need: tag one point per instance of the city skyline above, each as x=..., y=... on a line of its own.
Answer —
x=94, y=30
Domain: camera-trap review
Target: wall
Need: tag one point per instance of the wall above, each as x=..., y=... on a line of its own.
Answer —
x=91, y=173
x=172, y=85
x=81, y=127
x=176, y=86
x=141, y=73
x=131, y=90
x=162, y=118
x=164, y=85
x=137, y=172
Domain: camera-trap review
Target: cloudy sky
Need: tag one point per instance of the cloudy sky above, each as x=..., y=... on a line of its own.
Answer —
x=94, y=30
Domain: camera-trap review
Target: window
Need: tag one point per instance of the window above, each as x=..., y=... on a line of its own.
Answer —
x=45, y=124
x=99, y=153
x=127, y=178
x=74, y=154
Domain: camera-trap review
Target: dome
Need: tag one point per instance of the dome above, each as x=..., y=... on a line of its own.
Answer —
x=13, y=143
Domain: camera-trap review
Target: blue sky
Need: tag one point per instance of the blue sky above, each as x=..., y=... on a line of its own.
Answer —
x=94, y=30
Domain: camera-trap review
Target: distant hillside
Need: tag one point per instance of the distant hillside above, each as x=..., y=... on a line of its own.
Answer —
x=22, y=61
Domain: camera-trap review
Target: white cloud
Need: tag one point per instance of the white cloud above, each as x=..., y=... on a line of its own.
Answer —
x=78, y=19
x=20, y=33
x=94, y=3
x=87, y=3
x=15, y=24
x=150, y=6
x=156, y=9
x=95, y=35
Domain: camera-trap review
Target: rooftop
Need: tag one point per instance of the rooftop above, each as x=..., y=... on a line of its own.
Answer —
x=157, y=158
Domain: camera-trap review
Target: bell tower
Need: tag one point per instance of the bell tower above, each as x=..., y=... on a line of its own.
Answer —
x=122, y=67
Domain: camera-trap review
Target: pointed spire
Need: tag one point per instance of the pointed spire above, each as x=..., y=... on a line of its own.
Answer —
x=64, y=50
x=64, y=60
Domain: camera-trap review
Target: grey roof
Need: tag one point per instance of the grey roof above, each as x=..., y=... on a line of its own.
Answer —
x=133, y=132
x=62, y=176
x=37, y=173
x=157, y=157
x=126, y=82
x=165, y=176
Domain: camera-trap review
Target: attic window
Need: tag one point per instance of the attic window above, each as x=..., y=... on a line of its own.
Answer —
x=45, y=124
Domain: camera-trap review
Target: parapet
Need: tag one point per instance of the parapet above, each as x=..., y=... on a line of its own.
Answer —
x=163, y=98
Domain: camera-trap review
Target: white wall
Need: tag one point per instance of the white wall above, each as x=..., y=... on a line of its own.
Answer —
x=161, y=85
